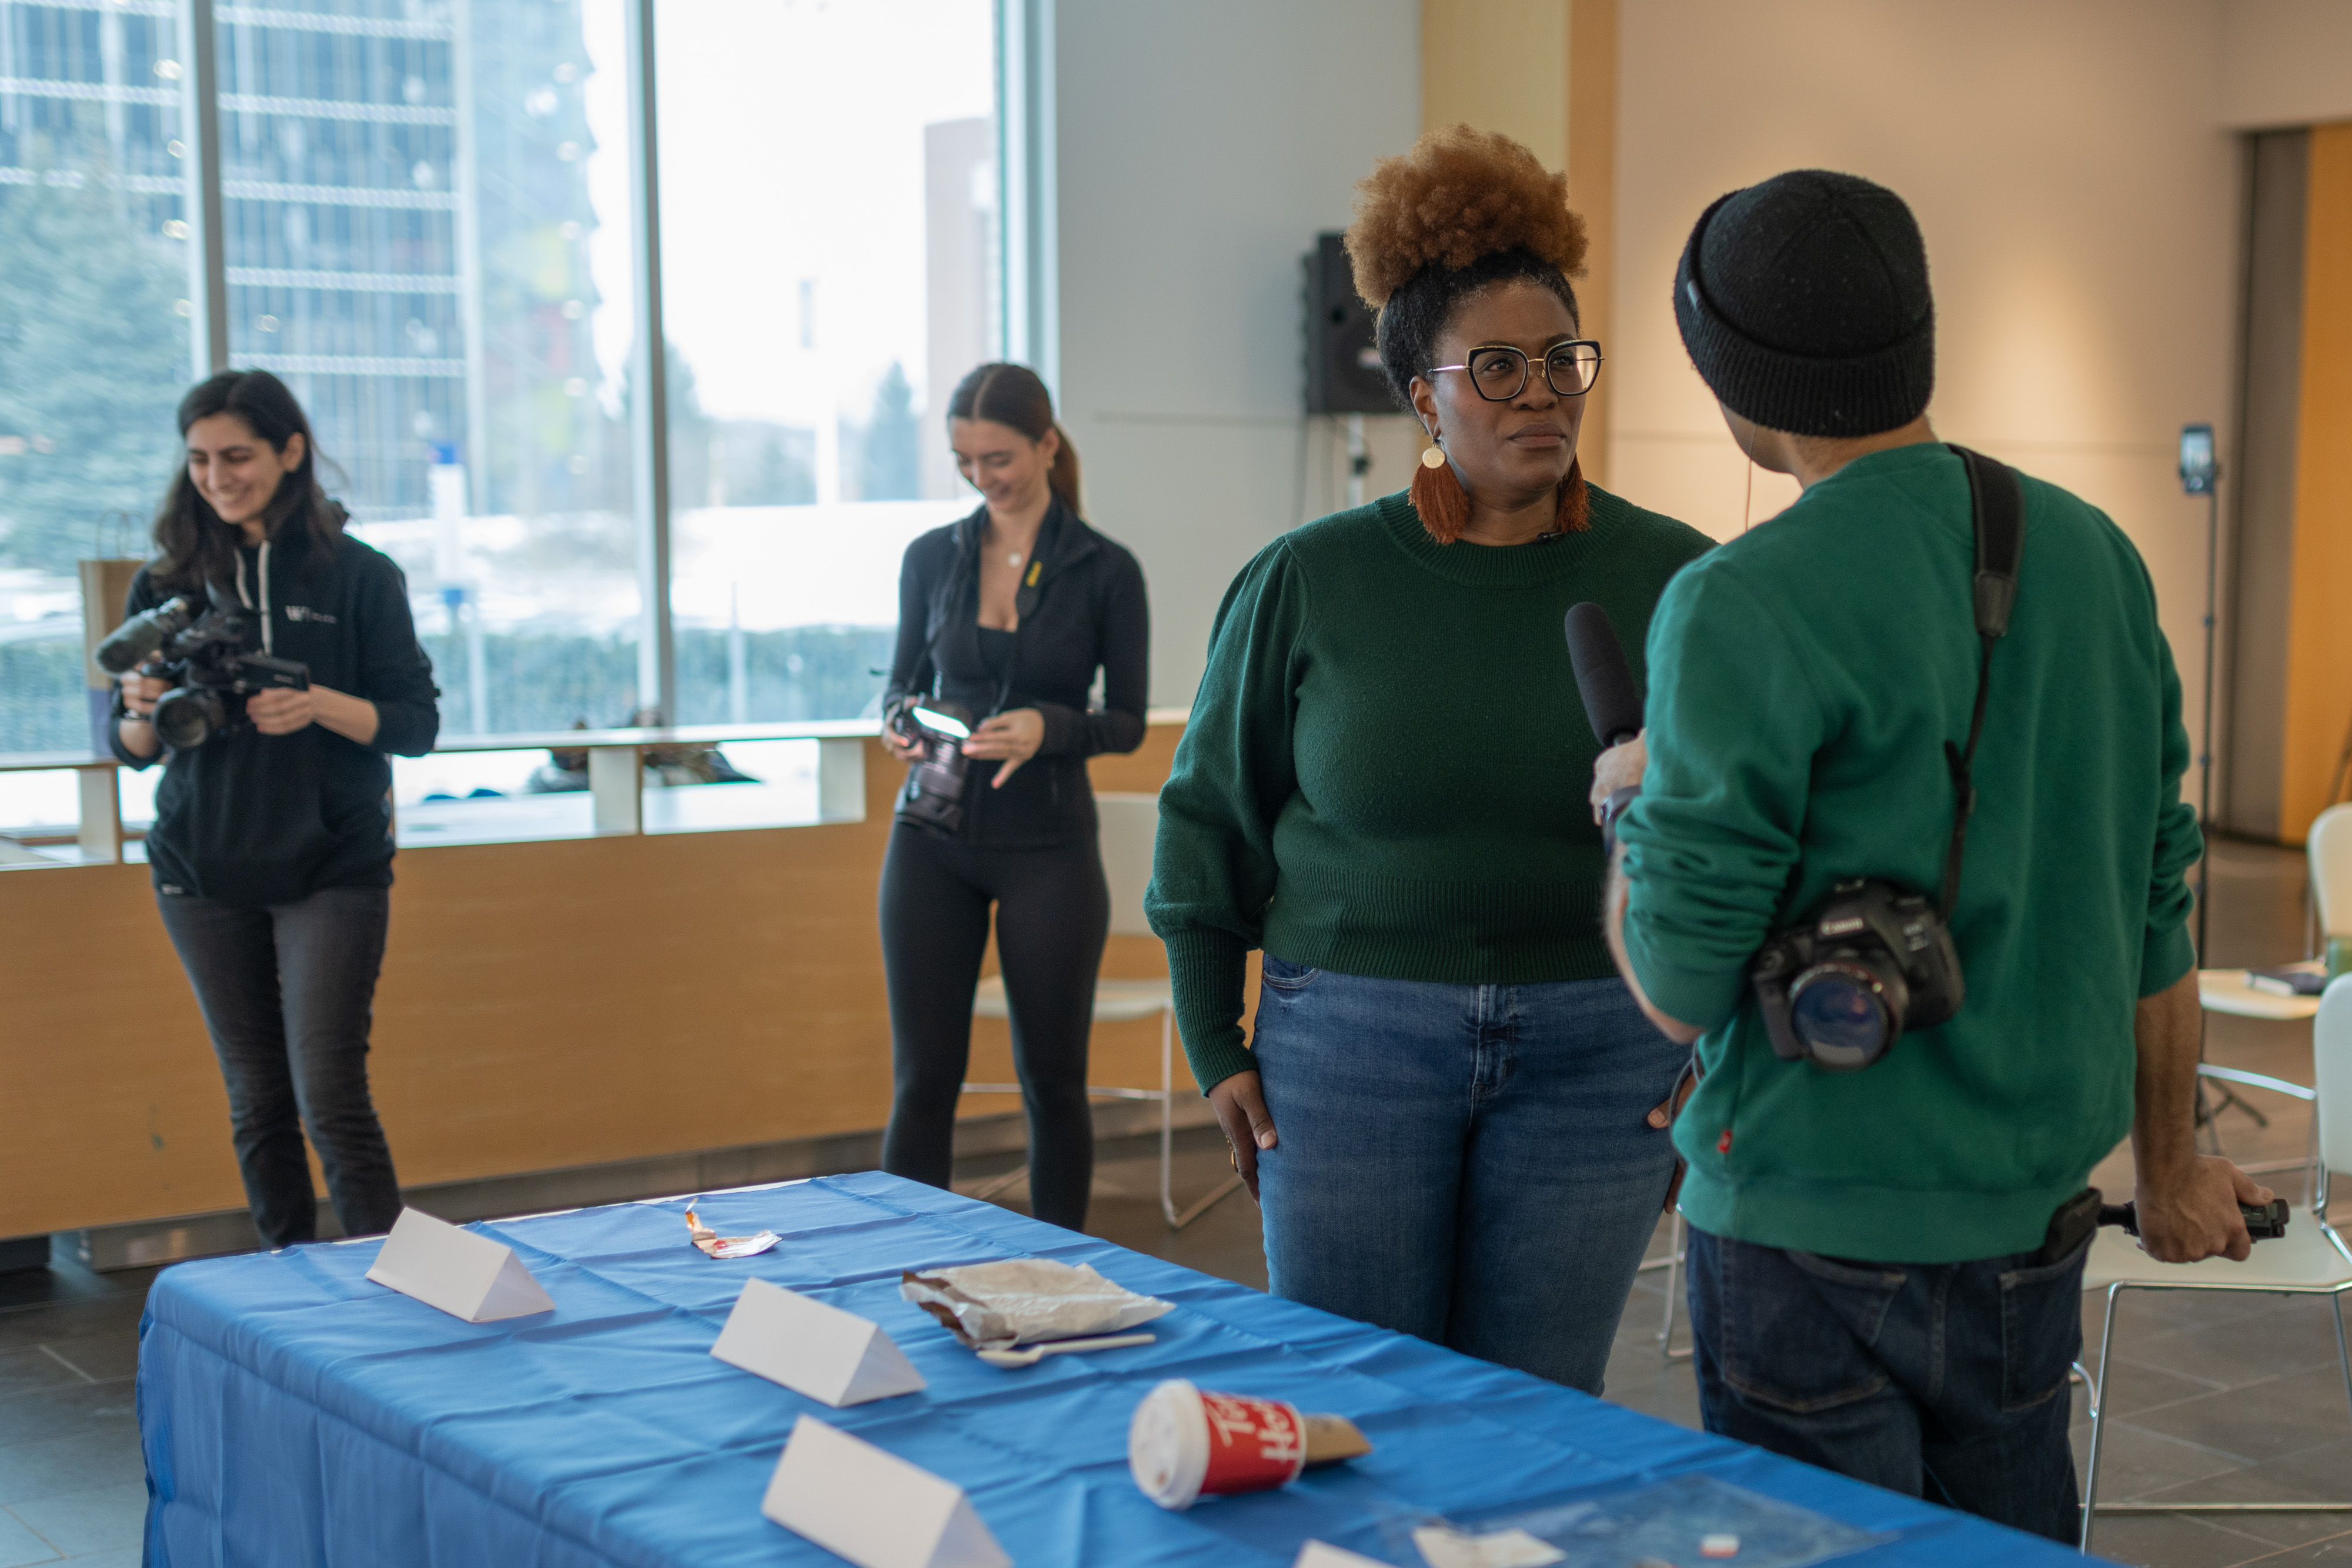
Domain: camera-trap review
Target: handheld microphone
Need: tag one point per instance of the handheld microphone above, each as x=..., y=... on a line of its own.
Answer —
x=1603, y=679
x=131, y=643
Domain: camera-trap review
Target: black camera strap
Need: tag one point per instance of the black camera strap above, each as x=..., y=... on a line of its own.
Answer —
x=1998, y=503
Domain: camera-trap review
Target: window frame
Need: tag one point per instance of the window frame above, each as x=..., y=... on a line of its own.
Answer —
x=1026, y=259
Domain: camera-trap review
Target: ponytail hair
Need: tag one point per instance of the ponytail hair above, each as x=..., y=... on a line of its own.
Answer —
x=1014, y=396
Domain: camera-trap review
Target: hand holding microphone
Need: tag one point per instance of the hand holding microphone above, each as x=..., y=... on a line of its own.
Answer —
x=1613, y=704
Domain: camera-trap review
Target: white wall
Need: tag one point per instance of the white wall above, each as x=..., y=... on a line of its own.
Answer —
x=2078, y=194
x=1201, y=146
x=2286, y=62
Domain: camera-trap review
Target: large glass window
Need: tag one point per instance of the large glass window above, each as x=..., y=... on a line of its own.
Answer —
x=426, y=232
x=412, y=221
x=829, y=216
x=93, y=325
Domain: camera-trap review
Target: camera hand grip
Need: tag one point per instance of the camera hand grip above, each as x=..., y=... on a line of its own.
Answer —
x=2265, y=1223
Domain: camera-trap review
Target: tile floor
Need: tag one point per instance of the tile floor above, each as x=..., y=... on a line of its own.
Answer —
x=2231, y=1398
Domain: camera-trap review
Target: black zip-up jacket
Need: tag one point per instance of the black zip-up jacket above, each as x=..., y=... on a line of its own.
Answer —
x=255, y=819
x=1081, y=607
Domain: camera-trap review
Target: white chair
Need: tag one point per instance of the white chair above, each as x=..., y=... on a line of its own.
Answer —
x=2329, y=846
x=1131, y=824
x=2311, y=1260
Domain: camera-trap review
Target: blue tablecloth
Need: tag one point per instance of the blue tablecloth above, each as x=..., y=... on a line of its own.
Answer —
x=293, y=1413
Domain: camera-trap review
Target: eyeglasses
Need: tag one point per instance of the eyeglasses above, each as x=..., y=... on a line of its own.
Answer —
x=1499, y=373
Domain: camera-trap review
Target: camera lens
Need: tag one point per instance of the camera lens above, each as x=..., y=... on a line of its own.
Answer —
x=186, y=718
x=1840, y=1010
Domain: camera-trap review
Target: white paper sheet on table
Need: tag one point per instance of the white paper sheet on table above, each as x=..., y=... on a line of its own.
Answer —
x=1323, y=1555
x=1443, y=1548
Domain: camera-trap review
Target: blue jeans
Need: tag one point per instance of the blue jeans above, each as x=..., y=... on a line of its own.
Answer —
x=1945, y=1381
x=1468, y=1164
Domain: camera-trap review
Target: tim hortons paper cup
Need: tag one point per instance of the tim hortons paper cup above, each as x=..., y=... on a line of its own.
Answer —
x=1184, y=1445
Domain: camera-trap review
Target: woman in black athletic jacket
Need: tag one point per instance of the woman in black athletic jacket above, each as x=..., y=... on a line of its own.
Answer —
x=272, y=843
x=1008, y=615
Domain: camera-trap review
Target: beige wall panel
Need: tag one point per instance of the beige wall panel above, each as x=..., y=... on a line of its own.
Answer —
x=2077, y=193
x=1592, y=191
x=542, y=1005
x=1701, y=479
x=1499, y=65
x=2286, y=62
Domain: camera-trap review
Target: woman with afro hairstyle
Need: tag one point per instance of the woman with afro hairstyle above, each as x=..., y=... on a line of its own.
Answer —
x=1443, y=1111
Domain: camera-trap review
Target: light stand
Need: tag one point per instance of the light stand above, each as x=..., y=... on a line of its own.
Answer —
x=2201, y=475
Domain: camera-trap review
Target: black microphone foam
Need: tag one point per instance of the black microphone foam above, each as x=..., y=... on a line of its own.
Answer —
x=1603, y=679
x=129, y=645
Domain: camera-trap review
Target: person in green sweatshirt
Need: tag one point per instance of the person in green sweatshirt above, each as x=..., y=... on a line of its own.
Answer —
x=1876, y=1284
x=1443, y=1111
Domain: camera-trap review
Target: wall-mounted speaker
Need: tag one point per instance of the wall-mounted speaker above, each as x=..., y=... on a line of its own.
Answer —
x=1343, y=366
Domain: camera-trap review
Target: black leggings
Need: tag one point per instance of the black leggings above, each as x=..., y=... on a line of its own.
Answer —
x=1053, y=912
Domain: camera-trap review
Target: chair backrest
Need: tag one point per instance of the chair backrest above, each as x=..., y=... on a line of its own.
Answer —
x=2329, y=846
x=2331, y=1050
x=1130, y=825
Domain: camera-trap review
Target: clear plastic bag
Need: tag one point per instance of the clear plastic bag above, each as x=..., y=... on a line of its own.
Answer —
x=1662, y=1524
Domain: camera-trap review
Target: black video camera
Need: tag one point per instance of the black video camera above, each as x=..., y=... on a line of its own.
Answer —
x=206, y=658
x=1874, y=959
x=933, y=796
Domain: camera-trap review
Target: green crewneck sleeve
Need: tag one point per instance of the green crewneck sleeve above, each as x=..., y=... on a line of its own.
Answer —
x=1385, y=770
x=1805, y=679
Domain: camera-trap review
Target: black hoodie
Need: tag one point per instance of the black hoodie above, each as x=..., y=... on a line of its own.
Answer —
x=253, y=819
x=1082, y=607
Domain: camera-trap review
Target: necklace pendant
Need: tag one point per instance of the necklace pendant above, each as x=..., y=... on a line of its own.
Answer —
x=1013, y=558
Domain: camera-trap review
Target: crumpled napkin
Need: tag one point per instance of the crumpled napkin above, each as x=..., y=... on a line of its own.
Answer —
x=1026, y=1300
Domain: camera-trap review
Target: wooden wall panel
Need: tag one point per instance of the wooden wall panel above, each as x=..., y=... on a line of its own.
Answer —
x=542, y=1005
x=2259, y=495
x=2319, y=641
x=1592, y=191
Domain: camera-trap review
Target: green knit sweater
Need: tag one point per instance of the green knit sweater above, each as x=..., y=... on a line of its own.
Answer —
x=1386, y=765
x=1808, y=675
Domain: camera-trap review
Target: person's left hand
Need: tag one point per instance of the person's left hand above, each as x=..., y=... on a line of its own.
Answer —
x=1012, y=738
x=280, y=711
x=2191, y=1214
x=1620, y=766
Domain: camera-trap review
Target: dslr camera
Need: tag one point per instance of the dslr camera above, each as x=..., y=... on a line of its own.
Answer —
x=933, y=796
x=1839, y=988
x=206, y=658
x=1874, y=958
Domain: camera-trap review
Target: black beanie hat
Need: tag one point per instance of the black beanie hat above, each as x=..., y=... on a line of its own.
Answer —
x=1803, y=301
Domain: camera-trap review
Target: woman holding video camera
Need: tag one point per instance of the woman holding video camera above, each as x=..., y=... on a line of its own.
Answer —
x=272, y=844
x=1003, y=620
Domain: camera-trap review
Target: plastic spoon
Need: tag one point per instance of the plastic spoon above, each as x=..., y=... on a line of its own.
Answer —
x=1027, y=1355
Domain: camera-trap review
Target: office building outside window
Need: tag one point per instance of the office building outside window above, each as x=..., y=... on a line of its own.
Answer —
x=94, y=320
x=426, y=232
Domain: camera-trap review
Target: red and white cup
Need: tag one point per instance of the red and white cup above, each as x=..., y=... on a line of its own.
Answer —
x=1184, y=1445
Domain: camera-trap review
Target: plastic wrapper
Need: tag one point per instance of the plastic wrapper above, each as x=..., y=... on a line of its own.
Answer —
x=1026, y=1300
x=717, y=1246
